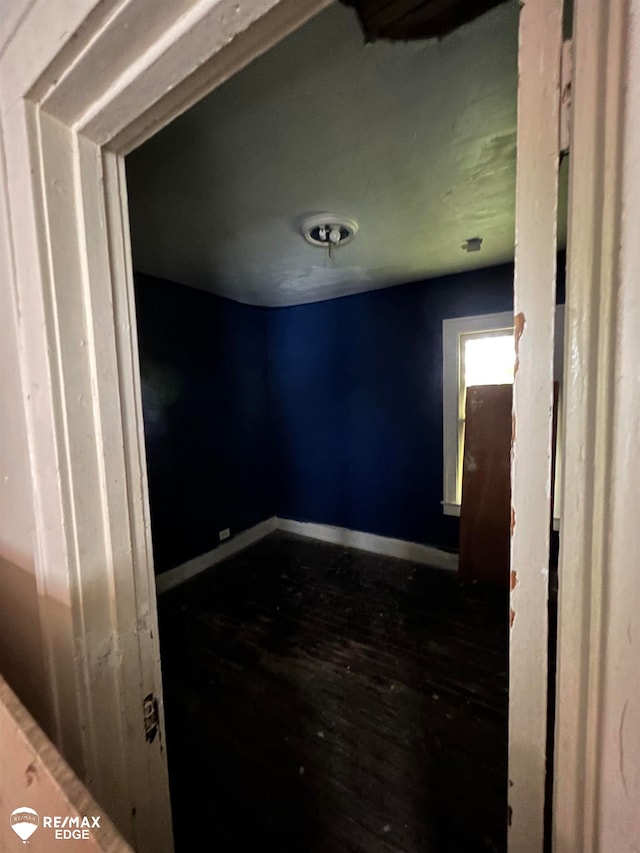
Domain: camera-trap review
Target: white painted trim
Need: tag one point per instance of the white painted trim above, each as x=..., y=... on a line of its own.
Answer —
x=539, y=58
x=74, y=75
x=399, y=548
x=597, y=753
x=371, y=542
x=186, y=571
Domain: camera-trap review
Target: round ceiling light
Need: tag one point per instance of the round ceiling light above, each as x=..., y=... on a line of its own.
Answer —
x=328, y=230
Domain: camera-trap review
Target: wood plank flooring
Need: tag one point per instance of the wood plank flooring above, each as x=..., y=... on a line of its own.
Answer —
x=320, y=698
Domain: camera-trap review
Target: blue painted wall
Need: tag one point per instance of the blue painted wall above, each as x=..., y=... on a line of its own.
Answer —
x=205, y=400
x=356, y=400
x=330, y=412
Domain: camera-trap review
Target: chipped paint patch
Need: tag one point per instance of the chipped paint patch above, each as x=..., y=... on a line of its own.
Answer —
x=623, y=777
x=510, y=816
x=514, y=579
x=512, y=617
x=519, y=323
x=513, y=519
x=31, y=774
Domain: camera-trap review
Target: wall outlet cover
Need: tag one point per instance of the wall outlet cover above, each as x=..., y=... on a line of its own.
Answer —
x=224, y=534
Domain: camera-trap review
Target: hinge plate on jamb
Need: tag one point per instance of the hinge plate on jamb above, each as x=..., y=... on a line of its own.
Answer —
x=151, y=717
x=566, y=74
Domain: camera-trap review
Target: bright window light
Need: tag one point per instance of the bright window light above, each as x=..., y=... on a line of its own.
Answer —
x=488, y=359
x=485, y=358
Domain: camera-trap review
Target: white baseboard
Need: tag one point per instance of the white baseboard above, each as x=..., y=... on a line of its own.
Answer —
x=182, y=573
x=403, y=550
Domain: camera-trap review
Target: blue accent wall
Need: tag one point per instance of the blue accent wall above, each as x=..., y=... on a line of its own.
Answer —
x=356, y=402
x=204, y=369
x=329, y=412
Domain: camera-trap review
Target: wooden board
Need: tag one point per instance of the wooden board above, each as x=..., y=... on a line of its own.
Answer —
x=534, y=306
x=37, y=786
x=486, y=488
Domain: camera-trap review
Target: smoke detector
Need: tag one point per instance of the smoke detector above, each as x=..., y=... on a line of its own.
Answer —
x=328, y=230
x=472, y=244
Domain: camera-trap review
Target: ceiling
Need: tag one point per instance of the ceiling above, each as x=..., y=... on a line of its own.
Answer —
x=415, y=141
x=405, y=20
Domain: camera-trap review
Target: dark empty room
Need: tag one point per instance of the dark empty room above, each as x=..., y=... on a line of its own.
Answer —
x=323, y=255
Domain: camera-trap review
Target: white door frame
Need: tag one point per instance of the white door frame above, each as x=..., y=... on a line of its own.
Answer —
x=597, y=751
x=82, y=82
x=538, y=159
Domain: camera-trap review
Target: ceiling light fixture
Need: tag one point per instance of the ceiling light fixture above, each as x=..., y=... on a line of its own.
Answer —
x=328, y=230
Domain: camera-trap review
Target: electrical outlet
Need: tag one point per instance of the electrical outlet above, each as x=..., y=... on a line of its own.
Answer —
x=224, y=534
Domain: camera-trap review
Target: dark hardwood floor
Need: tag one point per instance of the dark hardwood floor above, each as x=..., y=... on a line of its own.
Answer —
x=320, y=698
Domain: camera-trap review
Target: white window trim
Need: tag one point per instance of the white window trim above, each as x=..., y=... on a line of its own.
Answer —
x=451, y=332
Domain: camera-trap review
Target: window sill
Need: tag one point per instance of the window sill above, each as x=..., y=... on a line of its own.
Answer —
x=450, y=509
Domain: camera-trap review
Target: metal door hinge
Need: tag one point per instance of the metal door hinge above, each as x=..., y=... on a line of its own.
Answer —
x=151, y=717
x=566, y=74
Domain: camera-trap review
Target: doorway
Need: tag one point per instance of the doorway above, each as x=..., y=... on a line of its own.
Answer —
x=79, y=156
x=298, y=388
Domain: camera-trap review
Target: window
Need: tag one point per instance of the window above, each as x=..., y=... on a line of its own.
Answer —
x=488, y=358
x=485, y=358
x=479, y=351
